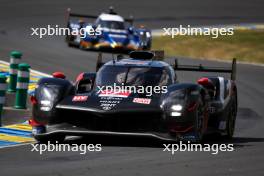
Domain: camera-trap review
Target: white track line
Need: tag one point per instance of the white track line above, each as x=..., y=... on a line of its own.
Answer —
x=16, y=145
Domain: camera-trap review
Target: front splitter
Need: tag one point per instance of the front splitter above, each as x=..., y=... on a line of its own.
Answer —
x=67, y=129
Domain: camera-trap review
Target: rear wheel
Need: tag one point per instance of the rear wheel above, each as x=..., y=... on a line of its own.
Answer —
x=69, y=39
x=231, y=119
x=70, y=44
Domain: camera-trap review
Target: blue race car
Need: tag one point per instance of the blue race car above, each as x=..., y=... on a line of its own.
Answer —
x=109, y=32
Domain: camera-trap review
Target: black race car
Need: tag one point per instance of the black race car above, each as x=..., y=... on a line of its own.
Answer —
x=178, y=111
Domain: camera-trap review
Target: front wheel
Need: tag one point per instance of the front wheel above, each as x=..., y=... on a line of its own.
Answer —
x=200, y=122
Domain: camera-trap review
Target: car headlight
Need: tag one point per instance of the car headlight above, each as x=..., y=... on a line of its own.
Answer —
x=176, y=114
x=148, y=34
x=177, y=107
x=176, y=110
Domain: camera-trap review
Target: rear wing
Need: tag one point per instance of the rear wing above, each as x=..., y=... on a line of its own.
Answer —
x=69, y=14
x=201, y=68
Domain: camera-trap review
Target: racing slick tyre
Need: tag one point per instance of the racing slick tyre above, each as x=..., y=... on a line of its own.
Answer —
x=69, y=40
x=70, y=44
x=230, y=128
x=49, y=138
x=199, y=122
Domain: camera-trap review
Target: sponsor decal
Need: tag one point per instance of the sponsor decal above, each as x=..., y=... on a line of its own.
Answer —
x=188, y=137
x=212, y=110
x=107, y=93
x=107, y=103
x=79, y=98
x=142, y=100
x=111, y=98
x=107, y=107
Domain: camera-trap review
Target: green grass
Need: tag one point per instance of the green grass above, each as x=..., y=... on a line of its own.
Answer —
x=245, y=45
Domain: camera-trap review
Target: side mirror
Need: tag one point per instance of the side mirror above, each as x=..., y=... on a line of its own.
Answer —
x=58, y=75
x=94, y=26
x=85, y=82
x=84, y=86
x=119, y=57
x=130, y=30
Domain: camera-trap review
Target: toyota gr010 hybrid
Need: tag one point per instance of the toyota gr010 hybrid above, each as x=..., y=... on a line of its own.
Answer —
x=185, y=111
x=109, y=32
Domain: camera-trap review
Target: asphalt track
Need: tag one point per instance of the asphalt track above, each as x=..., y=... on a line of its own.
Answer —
x=134, y=156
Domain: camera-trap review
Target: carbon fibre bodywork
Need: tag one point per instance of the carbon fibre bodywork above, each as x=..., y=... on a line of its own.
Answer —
x=185, y=111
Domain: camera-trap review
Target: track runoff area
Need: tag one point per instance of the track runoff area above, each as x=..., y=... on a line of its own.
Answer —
x=18, y=134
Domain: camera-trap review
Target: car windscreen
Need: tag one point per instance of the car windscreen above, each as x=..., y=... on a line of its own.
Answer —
x=131, y=76
x=112, y=24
